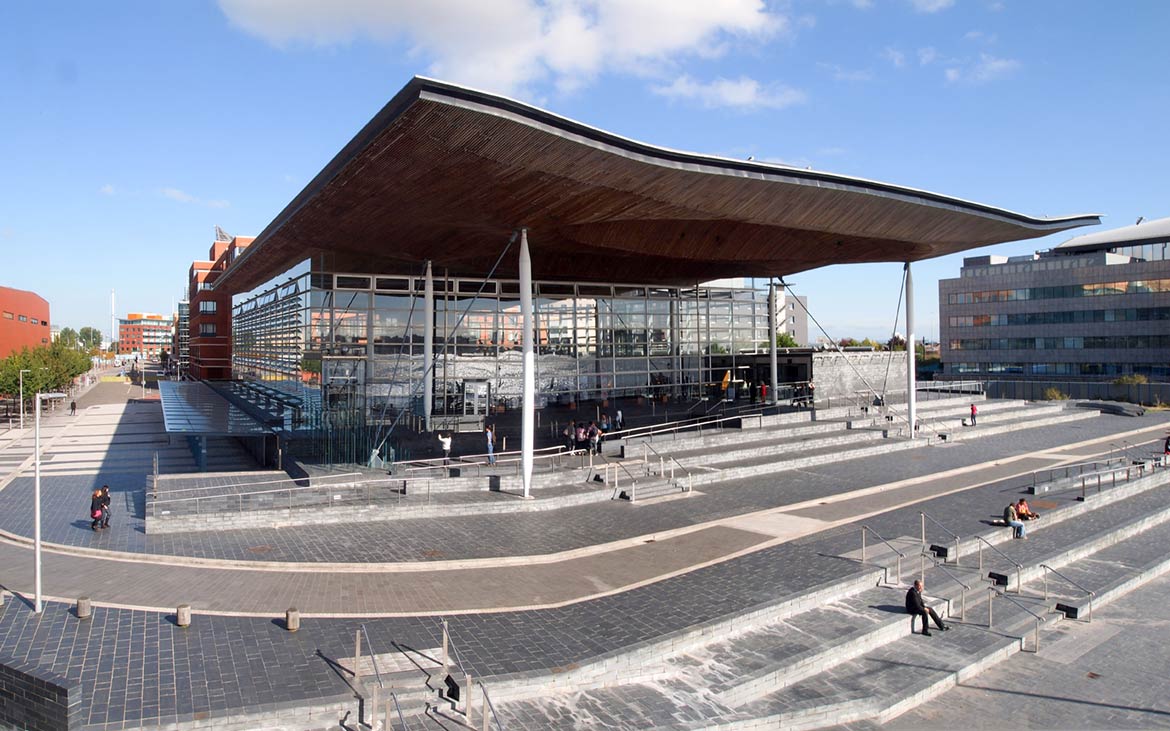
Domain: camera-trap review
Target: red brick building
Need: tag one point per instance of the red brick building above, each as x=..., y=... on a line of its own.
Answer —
x=210, y=344
x=144, y=333
x=24, y=321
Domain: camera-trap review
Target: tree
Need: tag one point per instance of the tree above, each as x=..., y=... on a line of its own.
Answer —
x=897, y=343
x=873, y=344
x=90, y=337
x=785, y=340
x=847, y=343
x=68, y=336
x=50, y=368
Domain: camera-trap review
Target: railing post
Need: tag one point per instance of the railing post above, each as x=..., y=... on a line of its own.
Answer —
x=484, y=708
x=467, y=707
x=990, y=600
x=922, y=520
x=445, y=658
x=898, y=578
x=922, y=567
x=863, y=545
x=963, y=603
x=357, y=655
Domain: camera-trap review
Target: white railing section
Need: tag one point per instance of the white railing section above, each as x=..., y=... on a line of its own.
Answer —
x=1088, y=593
x=995, y=593
x=923, y=517
x=963, y=588
x=1019, y=568
x=489, y=710
x=898, y=574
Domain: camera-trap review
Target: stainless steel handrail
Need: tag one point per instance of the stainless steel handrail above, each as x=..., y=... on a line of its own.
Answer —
x=381, y=685
x=962, y=594
x=448, y=644
x=687, y=472
x=373, y=656
x=259, y=482
x=864, y=528
x=991, y=599
x=1090, y=594
x=926, y=516
x=1019, y=567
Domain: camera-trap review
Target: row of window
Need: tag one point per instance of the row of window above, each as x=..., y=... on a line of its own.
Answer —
x=1095, y=289
x=1065, y=317
x=24, y=318
x=1061, y=369
x=1103, y=342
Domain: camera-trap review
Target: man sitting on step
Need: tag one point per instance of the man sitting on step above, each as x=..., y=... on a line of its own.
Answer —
x=917, y=608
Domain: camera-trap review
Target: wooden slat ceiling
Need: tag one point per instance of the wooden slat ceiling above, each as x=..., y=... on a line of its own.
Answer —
x=447, y=174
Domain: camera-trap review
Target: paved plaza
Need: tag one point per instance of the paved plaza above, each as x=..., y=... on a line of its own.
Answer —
x=525, y=592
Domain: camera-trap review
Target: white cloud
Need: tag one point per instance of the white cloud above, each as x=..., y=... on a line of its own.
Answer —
x=987, y=68
x=990, y=68
x=843, y=74
x=927, y=56
x=863, y=4
x=931, y=6
x=979, y=36
x=742, y=93
x=508, y=45
x=106, y=189
x=181, y=196
x=894, y=56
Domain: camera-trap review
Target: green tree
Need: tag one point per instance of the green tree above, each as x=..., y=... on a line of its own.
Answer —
x=897, y=343
x=873, y=344
x=69, y=337
x=783, y=340
x=90, y=337
x=847, y=343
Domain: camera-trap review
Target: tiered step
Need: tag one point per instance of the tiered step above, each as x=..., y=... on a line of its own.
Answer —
x=848, y=656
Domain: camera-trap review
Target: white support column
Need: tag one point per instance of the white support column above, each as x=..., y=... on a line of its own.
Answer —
x=428, y=346
x=37, y=605
x=528, y=413
x=772, y=324
x=911, y=382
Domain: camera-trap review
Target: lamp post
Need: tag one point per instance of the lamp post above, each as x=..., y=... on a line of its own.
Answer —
x=37, y=496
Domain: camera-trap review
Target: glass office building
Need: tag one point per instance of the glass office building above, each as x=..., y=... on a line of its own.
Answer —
x=350, y=346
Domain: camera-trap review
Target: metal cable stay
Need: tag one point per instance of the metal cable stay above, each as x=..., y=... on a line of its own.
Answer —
x=873, y=391
x=434, y=358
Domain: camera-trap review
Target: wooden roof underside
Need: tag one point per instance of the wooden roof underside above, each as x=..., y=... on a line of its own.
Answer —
x=447, y=174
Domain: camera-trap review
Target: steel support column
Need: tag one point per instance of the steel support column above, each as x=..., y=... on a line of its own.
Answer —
x=528, y=407
x=911, y=381
x=428, y=346
x=773, y=319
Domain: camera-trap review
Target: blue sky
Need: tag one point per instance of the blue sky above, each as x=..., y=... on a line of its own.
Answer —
x=130, y=129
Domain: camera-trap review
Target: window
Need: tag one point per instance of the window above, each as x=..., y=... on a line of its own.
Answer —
x=207, y=328
x=8, y=315
x=35, y=321
x=207, y=307
x=22, y=318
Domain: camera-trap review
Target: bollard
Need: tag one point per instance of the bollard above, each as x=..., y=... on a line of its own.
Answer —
x=83, y=608
x=183, y=615
x=292, y=619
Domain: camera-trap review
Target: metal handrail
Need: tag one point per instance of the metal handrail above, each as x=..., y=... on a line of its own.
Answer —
x=1019, y=567
x=661, y=469
x=962, y=594
x=1051, y=472
x=991, y=600
x=259, y=482
x=864, y=528
x=448, y=644
x=1090, y=593
x=926, y=516
x=373, y=655
x=301, y=488
x=1141, y=468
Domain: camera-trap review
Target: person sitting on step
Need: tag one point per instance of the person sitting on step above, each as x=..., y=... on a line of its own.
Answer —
x=1024, y=512
x=915, y=607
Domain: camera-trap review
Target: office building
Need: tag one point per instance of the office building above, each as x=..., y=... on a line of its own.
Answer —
x=144, y=334
x=24, y=321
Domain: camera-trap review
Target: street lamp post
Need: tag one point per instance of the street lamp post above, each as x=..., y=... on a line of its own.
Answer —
x=37, y=496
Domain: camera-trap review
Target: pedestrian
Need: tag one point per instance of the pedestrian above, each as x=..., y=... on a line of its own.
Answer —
x=95, y=509
x=73, y=408
x=567, y=433
x=579, y=436
x=106, y=506
x=974, y=411
x=445, y=443
x=490, y=435
x=594, y=435
x=915, y=607
x=619, y=422
x=1011, y=519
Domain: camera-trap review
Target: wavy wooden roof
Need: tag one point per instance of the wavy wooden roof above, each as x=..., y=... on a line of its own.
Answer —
x=447, y=173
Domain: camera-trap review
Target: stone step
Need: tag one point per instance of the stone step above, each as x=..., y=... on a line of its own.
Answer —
x=766, y=672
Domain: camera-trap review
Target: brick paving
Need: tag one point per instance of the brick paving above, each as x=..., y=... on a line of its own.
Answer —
x=138, y=665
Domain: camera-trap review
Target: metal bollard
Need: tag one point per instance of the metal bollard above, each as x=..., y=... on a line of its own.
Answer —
x=183, y=615
x=292, y=619
x=84, y=611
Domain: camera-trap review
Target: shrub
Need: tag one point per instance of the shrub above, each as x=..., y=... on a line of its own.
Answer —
x=1052, y=393
x=1131, y=380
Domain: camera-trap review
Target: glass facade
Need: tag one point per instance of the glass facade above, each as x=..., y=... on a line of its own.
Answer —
x=351, y=346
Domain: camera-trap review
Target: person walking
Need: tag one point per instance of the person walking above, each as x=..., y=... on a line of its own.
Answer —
x=915, y=607
x=619, y=423
x=95, y=509
x=445, y=443
x=73, y=408
x=106, y=506
x=974, y=412
x=490, y=435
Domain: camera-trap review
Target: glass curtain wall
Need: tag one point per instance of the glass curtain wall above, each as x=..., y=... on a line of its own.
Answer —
x=352, y=345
